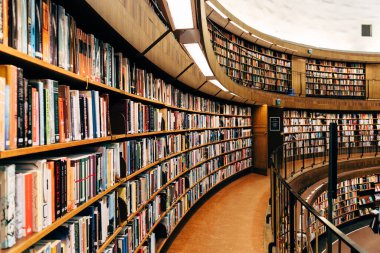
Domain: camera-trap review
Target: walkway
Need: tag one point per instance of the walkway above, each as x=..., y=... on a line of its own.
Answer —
x=232, y=220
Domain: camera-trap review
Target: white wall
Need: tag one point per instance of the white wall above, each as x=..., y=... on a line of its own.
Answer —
x=333, y=24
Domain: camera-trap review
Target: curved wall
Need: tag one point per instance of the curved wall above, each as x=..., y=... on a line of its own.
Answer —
x=319, y=23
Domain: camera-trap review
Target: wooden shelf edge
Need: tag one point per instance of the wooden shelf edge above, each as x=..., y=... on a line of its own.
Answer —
x=26, y=242
x=109, y=240
x=45, y=148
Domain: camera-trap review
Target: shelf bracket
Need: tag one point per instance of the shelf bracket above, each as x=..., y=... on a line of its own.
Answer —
x=202, y=85
x=217, y=93
x=183, y=71
x=155, y=42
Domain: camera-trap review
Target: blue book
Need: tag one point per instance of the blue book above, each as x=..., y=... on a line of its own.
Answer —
x=24, y=26
x=31, y=28
x=7, y=107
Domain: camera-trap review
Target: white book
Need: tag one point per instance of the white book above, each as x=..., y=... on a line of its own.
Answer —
x=20, y=205
x=7, y=214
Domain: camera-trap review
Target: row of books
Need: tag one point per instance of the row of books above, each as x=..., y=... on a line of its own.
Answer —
x=135, y=117
x=40, y=191
x=341, y=80
x=349, y=204
x=246, y=62
x=45, y=30
x=354, y=130
x=89, y=230
x=67, y=182
x=41, y=112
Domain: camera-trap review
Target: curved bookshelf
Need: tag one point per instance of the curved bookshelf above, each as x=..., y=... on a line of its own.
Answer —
x=249, y=64
x=355, y=199
x=202, y=134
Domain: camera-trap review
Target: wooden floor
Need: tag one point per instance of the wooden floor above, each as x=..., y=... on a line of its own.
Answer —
x=232, y=220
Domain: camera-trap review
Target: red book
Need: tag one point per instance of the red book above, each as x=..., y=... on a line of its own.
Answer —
x=28, y=203
x=50, y=166
x=61, y=120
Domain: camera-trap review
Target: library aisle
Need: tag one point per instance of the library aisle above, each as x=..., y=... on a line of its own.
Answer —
x=232, y=220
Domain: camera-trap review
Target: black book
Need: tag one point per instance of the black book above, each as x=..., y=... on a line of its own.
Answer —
x=12, y=15
x=20, y=109
x=63, y=187
x=118, y=114
x=57, y=184
x=54, y=34
x=26, y=115
x=30, y=120
x=82, y=122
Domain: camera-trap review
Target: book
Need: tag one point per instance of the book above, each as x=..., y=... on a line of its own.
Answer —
x=9, y=72
x=7, y=192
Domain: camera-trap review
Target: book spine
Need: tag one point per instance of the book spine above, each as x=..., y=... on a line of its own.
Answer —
x=31, y=28
x=57, y=184
x=38, y=29
x=68, y=113
x=28, y=204
x=41, y=115
x=2, y=113
x=30, y=116
x=61, y=120
x=25, y=109
x=6, y=113
x=53, y=34
x=64, y=186
x=46, y=30
x=20, y=109
x=56, y=115
x=82, y=122
x=24, y=26
x=7, y=173
x=47, y=116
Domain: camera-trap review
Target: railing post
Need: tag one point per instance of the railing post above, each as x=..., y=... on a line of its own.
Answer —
x=274, y=205
x=313, y=153
x=325, y=150
x=303, y=155
x=291, y=221
x=362, y=140
x=286, y=159
x=376, y=145
x=294, y=158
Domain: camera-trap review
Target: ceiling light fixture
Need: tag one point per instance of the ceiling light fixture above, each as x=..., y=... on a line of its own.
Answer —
x=216, y=9
x=218, y=84
x=181, y=13
x=238, y=26
x=199, y=58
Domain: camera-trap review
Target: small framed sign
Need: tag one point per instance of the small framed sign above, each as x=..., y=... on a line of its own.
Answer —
x=274, y=124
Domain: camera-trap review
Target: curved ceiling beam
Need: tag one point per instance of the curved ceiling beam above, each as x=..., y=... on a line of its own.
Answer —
x=269, y=98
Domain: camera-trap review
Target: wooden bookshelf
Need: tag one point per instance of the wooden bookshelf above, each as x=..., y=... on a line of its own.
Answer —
x=335, y=79
x=249, y=64
x=230, y=144
x=355, y=199
x=310, y=130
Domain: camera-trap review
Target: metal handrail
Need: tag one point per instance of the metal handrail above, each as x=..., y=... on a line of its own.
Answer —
x=284, y=203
